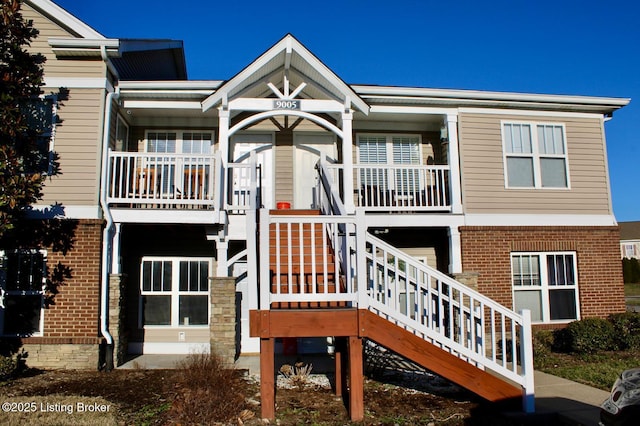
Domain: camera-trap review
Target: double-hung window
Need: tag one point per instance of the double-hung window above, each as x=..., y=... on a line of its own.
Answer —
x=23, y=276
x=175, y=291
x=40, y=115
x=546, y=283
x=402, y=151
x=535, y=155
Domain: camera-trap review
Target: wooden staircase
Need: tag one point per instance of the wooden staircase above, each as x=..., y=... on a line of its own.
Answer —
x=388, y=297
x=302, y=262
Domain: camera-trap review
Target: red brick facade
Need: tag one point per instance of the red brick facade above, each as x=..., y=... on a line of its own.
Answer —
x=487, y=250
x=73, y=318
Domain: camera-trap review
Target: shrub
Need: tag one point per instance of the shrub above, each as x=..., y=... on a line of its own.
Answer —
x=207, y=391
x=631, y=270
x=8, y=367
x=586, y=336
x=627, y=329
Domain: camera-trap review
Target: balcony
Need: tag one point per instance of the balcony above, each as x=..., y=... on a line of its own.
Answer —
x=400, y=188
x=159, y=180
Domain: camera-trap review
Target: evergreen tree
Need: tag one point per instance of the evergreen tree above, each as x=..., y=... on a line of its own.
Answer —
x=21, y=153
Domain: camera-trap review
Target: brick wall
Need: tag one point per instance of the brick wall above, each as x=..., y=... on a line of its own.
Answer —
x=71, y=323
x=486, y=251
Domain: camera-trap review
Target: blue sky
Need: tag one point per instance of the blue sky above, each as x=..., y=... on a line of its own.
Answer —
x=562, y=47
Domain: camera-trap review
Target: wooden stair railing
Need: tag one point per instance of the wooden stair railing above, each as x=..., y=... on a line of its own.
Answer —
x=302, y=261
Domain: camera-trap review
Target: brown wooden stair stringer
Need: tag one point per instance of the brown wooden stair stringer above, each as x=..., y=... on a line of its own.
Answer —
x=439, y=361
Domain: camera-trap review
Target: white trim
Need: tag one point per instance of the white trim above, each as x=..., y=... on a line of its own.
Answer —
x=208, y=85
x=41, y=211
x=174, y=291
x=535, y=155
x=520, y=112
x=414, y=220
x=169, y=348
x=266, y=114
x=65, y=18
x=27, y=293
x=162, y=104
x=77, y=83
x=544, y=288
x=412, y=110
x=205, y=217
x=506, y=219
x=496, y=97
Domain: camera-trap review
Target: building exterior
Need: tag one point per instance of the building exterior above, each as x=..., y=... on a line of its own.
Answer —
x=408, y=192
x=630, y=240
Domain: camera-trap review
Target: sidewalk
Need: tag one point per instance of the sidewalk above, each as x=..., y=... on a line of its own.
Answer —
x=575, y=403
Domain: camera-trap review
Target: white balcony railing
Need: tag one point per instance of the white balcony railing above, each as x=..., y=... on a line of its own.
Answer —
x=165, y=179
x=392, y=187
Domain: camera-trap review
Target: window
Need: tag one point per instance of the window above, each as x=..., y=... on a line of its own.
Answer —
x=392, y=150
x=629, y=250
x=535, y=155
x=175, y=291
x=23, y=277
x=179, y=142
x=41, y=118
x=546, y=284
x=122, y=135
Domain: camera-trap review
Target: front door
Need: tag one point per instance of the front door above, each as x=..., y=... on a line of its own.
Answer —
x=308, y=149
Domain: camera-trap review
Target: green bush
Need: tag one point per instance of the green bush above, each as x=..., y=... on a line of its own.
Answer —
x=8, y=367
x=631, y=270
x=627, y=329
x=586, y=336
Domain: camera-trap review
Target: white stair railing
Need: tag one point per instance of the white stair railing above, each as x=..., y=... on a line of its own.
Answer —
x=448, y=314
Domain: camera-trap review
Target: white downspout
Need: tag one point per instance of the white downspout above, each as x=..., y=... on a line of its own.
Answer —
x=104, y=296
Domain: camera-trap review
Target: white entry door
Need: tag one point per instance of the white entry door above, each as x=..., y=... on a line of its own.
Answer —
x=241, y=147
x=308, y=149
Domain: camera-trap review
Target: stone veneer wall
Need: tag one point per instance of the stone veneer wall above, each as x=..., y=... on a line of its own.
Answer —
x=224, y=318
x=71, y=336
x=117, y=318
x=487, y=251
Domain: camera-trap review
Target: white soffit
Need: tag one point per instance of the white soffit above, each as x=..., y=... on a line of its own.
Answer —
x=471, y=98
x=288, y=53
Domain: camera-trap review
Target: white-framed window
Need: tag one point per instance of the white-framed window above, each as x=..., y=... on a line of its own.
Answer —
x=535, y=155
x=41, y=116
x=179, y=141
x=546, y=283
x=390, y=150
x=23, y=277
x=629, y=250
x=174, y=291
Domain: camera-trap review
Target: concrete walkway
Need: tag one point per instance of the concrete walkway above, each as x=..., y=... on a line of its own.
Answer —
x=573, y=403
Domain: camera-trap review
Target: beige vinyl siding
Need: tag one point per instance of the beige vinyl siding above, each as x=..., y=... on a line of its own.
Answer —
x=283, y=174
x=54, y=67
x=77, y=142
x=482, y=164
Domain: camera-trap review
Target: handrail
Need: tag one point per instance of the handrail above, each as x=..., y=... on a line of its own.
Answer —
x=330, y=201
x=447, y=313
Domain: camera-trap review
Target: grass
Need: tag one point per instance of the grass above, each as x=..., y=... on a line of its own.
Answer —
x=632, y=289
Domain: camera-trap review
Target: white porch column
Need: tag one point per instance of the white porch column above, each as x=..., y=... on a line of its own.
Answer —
x=347, y=161
x=454, y=164
x=223, y=134
x=222, y=269
x=455, y=250
x=115, y=249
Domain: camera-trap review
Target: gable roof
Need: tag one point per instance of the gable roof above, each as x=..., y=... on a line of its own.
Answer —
x=65, y=19
x=629, y=230
x=291, y=57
